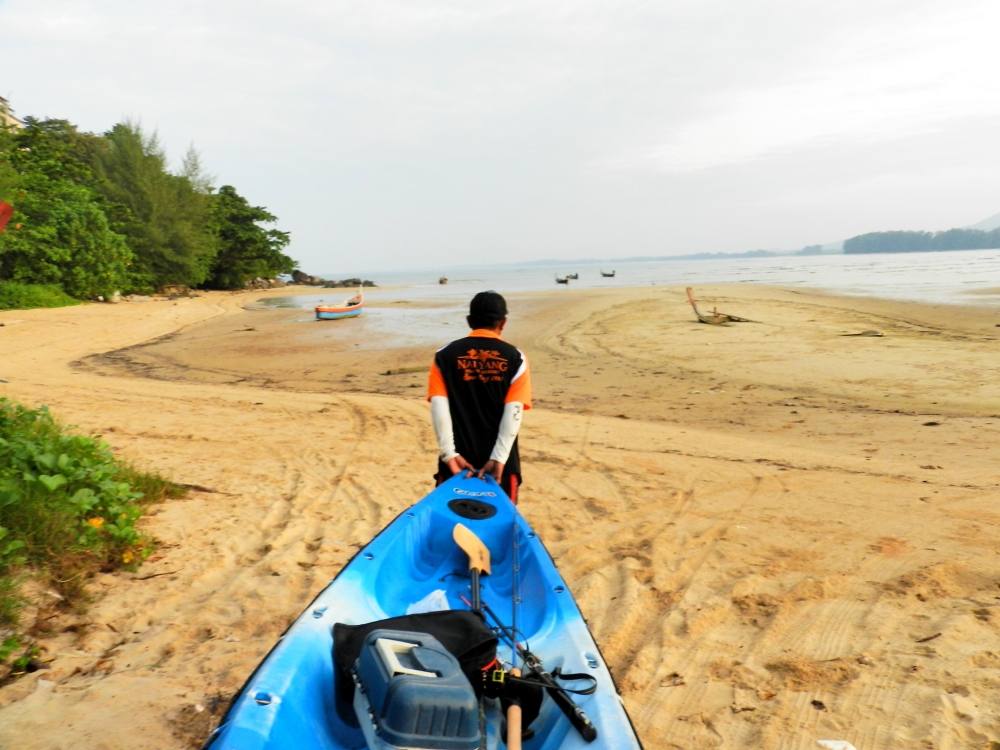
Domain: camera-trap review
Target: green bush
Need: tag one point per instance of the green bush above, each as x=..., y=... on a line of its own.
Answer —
x=17, y=296
x=67, y=506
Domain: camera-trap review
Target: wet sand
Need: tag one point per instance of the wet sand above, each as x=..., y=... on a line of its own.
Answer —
x=778, y=532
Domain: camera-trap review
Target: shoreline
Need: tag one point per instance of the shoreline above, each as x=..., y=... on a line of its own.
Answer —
x=360, y=355
x=753, y=518
x=877, y=275
x=960, y=301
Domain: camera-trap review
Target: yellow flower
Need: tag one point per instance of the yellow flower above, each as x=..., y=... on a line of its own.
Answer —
x=96, y=522
x=127, y=556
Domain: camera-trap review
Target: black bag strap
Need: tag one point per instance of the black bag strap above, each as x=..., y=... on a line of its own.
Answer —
x=558, y=674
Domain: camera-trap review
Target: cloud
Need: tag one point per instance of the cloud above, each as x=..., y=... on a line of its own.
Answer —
x=903, y=76
x=440, y=128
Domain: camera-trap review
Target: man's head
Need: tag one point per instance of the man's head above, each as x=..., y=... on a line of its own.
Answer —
x=487, y=310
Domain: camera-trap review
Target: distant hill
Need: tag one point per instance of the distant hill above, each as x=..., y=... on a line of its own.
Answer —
x=987, y=225
x=952, y=239
x=915, y=242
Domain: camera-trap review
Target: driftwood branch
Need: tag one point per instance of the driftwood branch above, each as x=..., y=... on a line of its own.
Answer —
x=157, y=575
x=714, y=318
x=202, y=488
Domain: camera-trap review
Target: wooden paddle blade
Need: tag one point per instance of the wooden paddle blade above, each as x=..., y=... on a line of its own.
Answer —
x=472, y=545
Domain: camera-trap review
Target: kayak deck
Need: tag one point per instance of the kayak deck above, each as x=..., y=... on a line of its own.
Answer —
x=289, y=701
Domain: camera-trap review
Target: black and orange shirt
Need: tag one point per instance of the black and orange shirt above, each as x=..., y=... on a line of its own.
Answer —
x=479, y=374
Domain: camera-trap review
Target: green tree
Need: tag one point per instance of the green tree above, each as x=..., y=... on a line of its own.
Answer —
x=8, y=175
x=56, y=148
x=60, y=234
x=98, y=213
x=192, y=169
x=166, y=218
x=246, y=250
x=62, y=237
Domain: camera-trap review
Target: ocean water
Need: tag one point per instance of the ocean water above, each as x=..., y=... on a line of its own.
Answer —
x=938, y=277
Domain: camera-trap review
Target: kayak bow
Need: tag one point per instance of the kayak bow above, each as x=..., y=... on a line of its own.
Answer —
x=414, y=565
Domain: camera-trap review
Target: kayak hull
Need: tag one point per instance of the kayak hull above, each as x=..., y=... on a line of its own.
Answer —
x=289, y=701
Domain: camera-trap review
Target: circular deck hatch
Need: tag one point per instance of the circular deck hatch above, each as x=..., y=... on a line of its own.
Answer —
x=473, y=510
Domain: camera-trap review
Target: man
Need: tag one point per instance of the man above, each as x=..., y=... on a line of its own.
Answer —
x=478, y=388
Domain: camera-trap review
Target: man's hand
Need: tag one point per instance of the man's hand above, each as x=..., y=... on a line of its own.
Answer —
x=493, y=468
x=457, y=464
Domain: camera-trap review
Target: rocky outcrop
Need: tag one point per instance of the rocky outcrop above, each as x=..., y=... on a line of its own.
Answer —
x=260, y=283
x=348, y=282
x=298, y=277
x=173, y=291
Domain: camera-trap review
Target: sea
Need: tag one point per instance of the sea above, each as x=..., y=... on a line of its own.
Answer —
x=961, y=277
x=952, y=277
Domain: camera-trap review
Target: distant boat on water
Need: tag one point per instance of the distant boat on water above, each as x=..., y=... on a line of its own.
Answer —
x=350, y=309
x=562, y=280
x=607, y=275
x=443, y=280
x=573, y=276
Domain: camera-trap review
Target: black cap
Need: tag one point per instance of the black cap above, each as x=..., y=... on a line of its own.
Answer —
x=488, y=305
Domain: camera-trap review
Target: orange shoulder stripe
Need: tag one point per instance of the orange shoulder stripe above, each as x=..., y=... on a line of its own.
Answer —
x=520, y=390
x=435, y=383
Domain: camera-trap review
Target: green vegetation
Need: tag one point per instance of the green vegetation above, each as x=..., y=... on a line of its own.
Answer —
x=245, y=252
x=67, y=509
x=164, y=217
x=95, y=214
x=17, y=296
x=910, y=242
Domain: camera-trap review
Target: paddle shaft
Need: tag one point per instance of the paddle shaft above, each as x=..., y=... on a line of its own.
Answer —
x=514, y=720
x=479, y=563
x=477, y=604
x=515, y=595
x=514, y=712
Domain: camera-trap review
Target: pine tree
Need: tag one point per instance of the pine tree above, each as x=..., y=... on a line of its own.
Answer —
x=166, y=219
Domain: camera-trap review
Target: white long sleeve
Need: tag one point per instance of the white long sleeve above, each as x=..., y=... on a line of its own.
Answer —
x=510, y=424
x=443, y=429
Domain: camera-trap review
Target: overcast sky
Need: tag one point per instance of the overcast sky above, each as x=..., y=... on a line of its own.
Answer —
x=419, y=134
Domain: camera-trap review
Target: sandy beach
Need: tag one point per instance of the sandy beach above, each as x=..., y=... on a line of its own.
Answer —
x=779, y=531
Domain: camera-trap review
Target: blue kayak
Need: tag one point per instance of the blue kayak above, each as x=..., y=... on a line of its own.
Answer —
x=294, y=699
